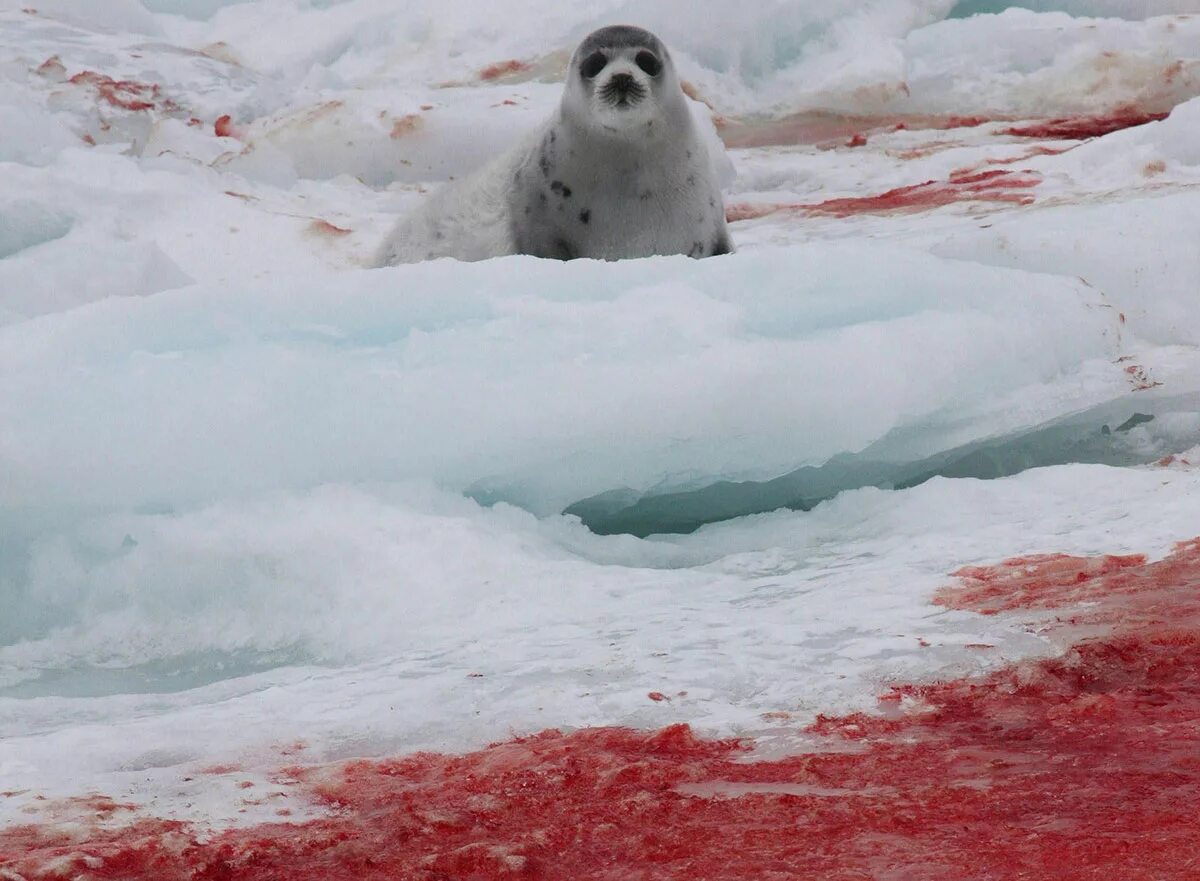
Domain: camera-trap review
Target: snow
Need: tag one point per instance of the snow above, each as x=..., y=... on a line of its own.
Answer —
x=254, y=494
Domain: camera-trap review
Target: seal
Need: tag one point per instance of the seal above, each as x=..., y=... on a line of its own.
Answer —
x=619, y=171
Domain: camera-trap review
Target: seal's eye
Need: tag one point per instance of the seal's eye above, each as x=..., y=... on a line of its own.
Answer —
x=649, y=62
x=593, y=64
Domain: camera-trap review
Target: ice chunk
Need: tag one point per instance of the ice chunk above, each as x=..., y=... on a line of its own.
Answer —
x=32, y=136
x=199, y=9
x=556, y=381
x=1136, y=257
x=24, y=224
x=1132, y=9
x=111, y=16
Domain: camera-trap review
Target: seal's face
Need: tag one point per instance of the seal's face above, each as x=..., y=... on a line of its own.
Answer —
x=621, y=80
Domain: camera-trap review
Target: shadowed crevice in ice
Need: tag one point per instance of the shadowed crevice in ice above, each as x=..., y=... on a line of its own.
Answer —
x=1114, y=434
x=25, y=224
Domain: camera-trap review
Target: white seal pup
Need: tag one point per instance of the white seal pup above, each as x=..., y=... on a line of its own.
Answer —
x=619, y=171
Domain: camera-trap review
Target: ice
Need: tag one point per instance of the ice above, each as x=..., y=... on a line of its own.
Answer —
x=113, y=16
x=1081, y=241
x=615, y=374
x=1117, y=433
x=198, y=9
x=1131, y=9
x=262, y=505
x=32, y=135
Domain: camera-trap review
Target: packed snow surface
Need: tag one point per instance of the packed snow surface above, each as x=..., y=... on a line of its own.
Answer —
x=257, y=500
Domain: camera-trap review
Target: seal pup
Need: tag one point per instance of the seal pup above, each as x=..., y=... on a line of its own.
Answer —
x=619, y=171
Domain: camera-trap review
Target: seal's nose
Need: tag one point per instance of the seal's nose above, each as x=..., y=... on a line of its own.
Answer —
x=622, y=82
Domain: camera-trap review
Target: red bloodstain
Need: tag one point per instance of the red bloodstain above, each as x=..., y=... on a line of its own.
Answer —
x=1080, y=127
x=223, y=127
x=1080, y=767
x=818, y=127
x=323, y=227
x=217, y=770
x=997, y=185
x=986, y=186
x=1037, y=150
x=745, y=211
x=406, y=125
x=125, y=94
x=1167, y=462
x=858, y=139
x=504, y=68
x=1140, y=379
x=52, y=67
x=924, y=150
x=657, y=696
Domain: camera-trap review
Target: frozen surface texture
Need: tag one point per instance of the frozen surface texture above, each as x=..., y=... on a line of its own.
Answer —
x=286, y=542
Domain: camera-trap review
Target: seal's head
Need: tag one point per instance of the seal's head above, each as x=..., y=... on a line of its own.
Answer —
x=621, y=81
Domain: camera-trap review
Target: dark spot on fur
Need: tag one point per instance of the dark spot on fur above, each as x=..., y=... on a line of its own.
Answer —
x=564, y=250
x=542, y=198
x=528, y=210
x=553, y=136
x=712, y=203
x=585, y=216
x=561, y=188
x=689, y=154
x=645, y=195
x=439, y=235
x=544, y=164
x=721, y=245
x=697, y=249
x=691, y=180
